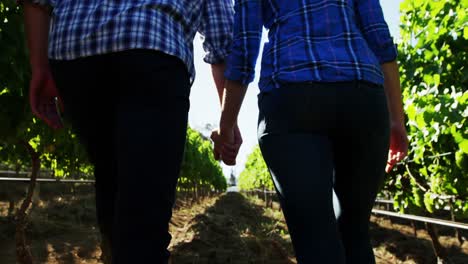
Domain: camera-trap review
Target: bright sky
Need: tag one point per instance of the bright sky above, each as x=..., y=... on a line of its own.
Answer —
x=205, y=107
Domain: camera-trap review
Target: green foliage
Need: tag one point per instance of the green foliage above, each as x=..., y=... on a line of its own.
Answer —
x=16, y=121
x=433, y=57
x=255, y=175
x=200, y=170
x=14, y=72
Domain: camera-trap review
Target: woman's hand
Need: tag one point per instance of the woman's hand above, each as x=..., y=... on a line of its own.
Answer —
x=398, y=137
x=398, y=145
x=42, y=96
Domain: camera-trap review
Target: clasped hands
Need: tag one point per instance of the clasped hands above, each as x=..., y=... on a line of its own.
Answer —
x=227, y=142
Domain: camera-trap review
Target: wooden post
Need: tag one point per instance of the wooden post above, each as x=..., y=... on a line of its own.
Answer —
x=23, y=251
x=439, y=251
x=452, y=216
x=415, y=230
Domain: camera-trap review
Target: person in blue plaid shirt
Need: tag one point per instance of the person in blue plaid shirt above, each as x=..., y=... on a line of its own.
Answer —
x=122, y=70
x=331, y=115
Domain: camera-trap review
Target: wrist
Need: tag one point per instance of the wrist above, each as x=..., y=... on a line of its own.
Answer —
x=227, y=125
x=399, y=124
x=39, y=65
x=228, y=121
x=397, y=116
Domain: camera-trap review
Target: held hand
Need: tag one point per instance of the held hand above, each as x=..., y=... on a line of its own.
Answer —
x=42, y=94
x=227, y=144
x=229, y=153
x=398, y=146
x=237, y=138
x=217, y=146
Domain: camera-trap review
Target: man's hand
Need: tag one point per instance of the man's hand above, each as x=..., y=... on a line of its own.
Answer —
x=398, y=146
x=227, y=143
x=42, y=96
x=42, y=90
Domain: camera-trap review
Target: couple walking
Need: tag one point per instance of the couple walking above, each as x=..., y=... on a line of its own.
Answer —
x=330, y=106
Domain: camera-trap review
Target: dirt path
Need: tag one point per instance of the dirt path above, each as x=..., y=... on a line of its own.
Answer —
x=226, y=229
x=232, y=230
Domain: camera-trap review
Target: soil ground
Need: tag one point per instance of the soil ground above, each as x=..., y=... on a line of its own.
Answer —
x=226, y=229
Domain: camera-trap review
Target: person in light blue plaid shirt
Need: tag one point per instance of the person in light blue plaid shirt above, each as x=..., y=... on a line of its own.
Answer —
x=122, y=72
x=94, y=27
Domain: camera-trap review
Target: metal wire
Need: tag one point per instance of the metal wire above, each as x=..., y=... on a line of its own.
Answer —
x=46, y=180
x=405, y=161
x=422, y=219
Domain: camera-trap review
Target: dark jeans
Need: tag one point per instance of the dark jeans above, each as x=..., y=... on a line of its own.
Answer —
x=130, y=110
x=316, y=138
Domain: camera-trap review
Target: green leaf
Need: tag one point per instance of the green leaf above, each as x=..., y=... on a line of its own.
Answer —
x=464, y=146
x=429, y=202
x=436, y=79
x=456, y=134
x=464, y=98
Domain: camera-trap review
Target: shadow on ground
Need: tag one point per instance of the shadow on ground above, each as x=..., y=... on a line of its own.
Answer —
x=230, y=229
x=234, y=230
x=397, y=238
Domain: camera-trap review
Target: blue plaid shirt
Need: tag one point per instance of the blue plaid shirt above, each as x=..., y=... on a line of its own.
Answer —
x=310, y=40
x=81, y=28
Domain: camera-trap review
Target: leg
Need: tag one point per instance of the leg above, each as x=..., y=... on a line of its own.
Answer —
x=151, y=123
x=302, y=170
x=360, y=158
x=293, y=127
x=105, y=200
x=83, y=84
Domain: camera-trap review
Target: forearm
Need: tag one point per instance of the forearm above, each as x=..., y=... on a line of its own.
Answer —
x=393, y=92
x=36, y=22
x=217, y=71
x=233, y=95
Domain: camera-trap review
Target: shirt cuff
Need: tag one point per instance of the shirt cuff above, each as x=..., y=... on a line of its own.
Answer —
x=243, y=77
x=387, y=53
x=216, y=56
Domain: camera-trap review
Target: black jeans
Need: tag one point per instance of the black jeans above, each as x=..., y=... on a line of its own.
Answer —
x=318, y=137
x=130, y=111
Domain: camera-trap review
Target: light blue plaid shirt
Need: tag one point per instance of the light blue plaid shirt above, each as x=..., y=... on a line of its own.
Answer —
x=81, y=28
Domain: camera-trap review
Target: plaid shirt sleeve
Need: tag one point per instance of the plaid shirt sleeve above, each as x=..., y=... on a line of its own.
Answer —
x=38, y=2
x=216, y=30
x=375, y=30
x=248, y=26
